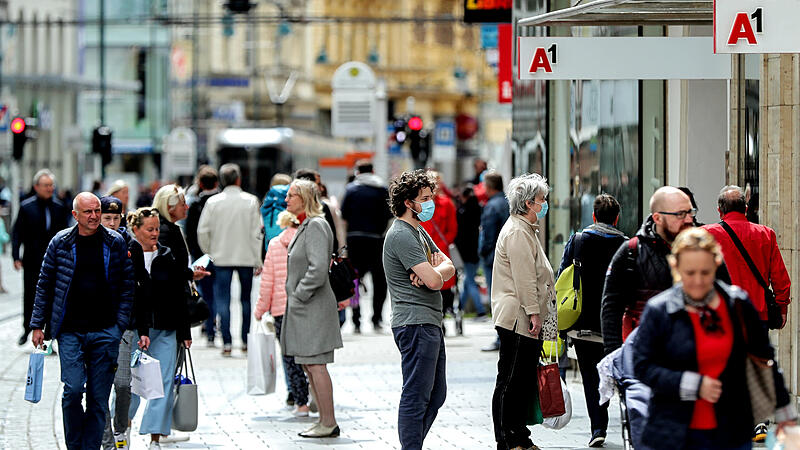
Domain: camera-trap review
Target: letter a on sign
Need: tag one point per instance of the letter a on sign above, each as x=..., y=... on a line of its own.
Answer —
x=742, y=30
x=540, y=61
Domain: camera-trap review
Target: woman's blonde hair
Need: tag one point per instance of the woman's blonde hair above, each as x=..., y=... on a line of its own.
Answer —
x=136, y=218
x=287, y=219
x=166, y=197
x=309, y=194
x=693, y=239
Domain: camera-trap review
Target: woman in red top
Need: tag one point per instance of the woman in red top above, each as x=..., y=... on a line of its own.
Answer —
x=691, y=349
x=443, y=229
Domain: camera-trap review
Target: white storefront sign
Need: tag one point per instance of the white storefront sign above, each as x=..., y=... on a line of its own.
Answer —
x=764, y=26
x=620, y=58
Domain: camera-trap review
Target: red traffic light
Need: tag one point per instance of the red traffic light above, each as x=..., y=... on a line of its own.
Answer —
x=18, y=125
x=415, y=123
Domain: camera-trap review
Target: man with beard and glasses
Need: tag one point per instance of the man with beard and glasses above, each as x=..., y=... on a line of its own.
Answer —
x=639, y=269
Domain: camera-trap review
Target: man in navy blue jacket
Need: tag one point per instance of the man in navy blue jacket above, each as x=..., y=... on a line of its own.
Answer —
x=83, y=299
x=493, y=217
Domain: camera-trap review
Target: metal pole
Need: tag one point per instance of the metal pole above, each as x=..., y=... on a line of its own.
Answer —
x=102, y=62
x=195, y=74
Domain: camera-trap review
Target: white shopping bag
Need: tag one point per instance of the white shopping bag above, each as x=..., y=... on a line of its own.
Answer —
x=260, y=359
x=559, y=422
x=146, y=379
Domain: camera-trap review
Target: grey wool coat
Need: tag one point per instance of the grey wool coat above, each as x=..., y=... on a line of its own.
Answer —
x=311, y=322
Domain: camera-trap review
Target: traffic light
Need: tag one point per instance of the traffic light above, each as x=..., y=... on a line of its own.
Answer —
x=400, y=133
x=101, y=143
x=19, y=131
x=239, y=6
x=415, y=123
x=419, y=144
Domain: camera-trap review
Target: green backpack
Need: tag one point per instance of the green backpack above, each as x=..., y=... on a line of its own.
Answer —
x=568, y=289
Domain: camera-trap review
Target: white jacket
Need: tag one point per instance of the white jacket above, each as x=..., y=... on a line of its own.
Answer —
x=230, y=229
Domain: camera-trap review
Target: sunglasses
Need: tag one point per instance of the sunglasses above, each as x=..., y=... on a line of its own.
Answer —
x=148, y=212
x=710, y=321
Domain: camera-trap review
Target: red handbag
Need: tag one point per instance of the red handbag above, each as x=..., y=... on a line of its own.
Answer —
x=551, y=399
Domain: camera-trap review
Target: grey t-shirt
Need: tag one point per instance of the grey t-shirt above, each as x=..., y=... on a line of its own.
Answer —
x=404, y=248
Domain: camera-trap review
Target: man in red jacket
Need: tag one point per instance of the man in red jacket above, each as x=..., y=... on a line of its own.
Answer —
x=760, y=242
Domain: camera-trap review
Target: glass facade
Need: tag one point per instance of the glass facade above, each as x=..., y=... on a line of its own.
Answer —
x=589, y=137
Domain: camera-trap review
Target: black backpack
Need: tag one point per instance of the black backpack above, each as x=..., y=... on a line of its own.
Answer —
x=342, y=276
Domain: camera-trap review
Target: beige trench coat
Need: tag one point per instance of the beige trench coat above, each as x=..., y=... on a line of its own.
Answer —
x=522, y=278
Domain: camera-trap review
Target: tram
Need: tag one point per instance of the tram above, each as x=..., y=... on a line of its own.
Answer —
x=262, y=152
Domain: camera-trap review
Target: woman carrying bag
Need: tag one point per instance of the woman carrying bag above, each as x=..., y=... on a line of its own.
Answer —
x=311, y=323
x=272, y=298
x=697, y=345
x=522, y=290
x=168, y=316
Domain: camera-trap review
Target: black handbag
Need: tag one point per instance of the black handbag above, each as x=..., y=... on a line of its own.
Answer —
x=774, y=315
x=196, y=306
x=342, y=276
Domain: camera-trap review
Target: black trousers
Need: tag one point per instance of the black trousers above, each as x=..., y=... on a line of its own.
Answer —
x=30, y=276
x=366, y=255
x=589, y=354
x=515, y=388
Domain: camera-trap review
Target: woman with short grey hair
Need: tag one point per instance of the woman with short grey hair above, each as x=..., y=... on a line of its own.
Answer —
x=523, y=189
x=522, y=300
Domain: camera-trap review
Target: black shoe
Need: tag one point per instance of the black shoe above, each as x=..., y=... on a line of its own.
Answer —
x=356, y=330
x=23, y=339
x=290, y=399
x=598, y=439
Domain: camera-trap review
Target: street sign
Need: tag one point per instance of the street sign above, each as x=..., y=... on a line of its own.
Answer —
x=180, y=153
x=619, y=58
x=354, y=101
x=444, y=141
x=766, y=26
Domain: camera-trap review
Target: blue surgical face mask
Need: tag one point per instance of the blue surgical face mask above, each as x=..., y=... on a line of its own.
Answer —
x=540, y=215
x=427, y=210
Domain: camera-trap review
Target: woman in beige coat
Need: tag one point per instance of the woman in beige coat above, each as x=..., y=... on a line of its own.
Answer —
x=310, y=329
x=522, y=291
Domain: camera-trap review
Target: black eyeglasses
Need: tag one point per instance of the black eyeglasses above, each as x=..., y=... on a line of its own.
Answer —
x=681, y=214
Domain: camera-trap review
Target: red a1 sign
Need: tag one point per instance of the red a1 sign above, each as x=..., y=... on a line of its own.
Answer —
x=763, y=26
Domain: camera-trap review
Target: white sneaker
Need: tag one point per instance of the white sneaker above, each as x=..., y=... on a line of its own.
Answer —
x=174, y=437
x=120, y=441
x=154, y=446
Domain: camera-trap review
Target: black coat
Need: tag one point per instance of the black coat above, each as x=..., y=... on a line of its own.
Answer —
x=468, y=217
x=635, y=276
x=597, y=249
x=30, y=229
x=192, y=220
x=165, y=306
x=665, y=348
x=170, y=236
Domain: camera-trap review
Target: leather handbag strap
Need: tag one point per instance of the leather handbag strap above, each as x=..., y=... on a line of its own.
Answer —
x=745, y=255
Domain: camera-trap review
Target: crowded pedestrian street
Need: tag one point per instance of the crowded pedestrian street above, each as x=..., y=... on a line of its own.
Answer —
x=367, y=384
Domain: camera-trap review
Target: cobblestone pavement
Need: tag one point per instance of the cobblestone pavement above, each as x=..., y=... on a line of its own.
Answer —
x=366, y=378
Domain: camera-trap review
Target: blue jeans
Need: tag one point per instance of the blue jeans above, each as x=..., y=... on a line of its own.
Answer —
x=90, y=359
x=206, y=288
x=708, y=440
x=157, y=418
x=424, y=381
x=222, y=296
x=471, y=289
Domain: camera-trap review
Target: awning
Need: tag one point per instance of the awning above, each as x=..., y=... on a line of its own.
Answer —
x=628, y=12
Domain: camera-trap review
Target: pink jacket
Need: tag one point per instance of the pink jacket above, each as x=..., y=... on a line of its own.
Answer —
x=272, y=295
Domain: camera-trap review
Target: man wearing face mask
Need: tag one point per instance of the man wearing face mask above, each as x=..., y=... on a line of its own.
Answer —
x=639, y=269
x=494, y=216
x=415, y=272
